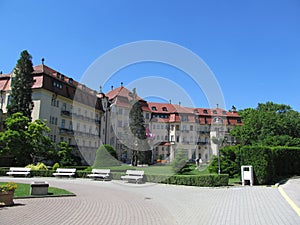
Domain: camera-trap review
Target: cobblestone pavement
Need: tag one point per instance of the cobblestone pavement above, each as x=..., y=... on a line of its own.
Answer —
x=115, y=202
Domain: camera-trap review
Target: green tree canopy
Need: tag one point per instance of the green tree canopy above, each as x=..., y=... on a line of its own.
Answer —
x=22, y=82
x=27, y=141
x=65, y=155
x=269, y=124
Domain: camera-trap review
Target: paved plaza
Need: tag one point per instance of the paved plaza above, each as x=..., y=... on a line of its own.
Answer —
x=116, y=202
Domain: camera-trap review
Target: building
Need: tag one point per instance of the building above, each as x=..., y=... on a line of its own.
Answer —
x=86, y=119
x=70, y=109
x=169, y=127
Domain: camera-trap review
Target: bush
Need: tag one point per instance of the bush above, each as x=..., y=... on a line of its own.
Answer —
x=38, y=166
x=212, y=180
x=104, y=158
x=179, y=161
x=230, y=164
x=55, y=166
x=42, y=173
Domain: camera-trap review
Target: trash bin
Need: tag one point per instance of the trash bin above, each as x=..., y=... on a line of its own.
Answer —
x=39, y=188
x=247, y=174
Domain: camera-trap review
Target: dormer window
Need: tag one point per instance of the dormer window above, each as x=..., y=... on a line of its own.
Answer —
x=153, y=108
x=215, y=112
x=165, y=109
x=205, y=111
x=70, y=81
x=62, y=77
x=224, y=112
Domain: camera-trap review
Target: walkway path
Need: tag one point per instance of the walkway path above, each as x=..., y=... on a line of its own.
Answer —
x=115, y=202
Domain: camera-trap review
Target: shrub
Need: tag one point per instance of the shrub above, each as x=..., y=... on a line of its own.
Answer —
x=55, y=166
x=38, y=166
x=41, y=173
x=179, y=161
x=10, y=186
x=230, y=164
x=104, y=158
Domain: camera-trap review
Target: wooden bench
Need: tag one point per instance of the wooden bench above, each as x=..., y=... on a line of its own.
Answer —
x=65, y=172
x=19, y=171
x=99, y=173
x=136, y=175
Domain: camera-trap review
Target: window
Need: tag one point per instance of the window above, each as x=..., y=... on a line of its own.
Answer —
x=64, y=106
x=191, y=128
x=61, y=139
x=191, y=139
x=172, y=138
x=70, y=125
x=147, y=115
x=120, y=111
x=177, y=138
x=177, y=127
x=153, y=126
x=57, y=84
x=153, y=108
x=214, y=111
x=205, y=111
x=119, y=123
x=63, y=123
x=164, y=109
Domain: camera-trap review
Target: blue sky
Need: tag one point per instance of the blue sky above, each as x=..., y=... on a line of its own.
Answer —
x=252, y=47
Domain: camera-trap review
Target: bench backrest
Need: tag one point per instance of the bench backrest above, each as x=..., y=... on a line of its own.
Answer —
x=65, y=170
x=19, y=169
x=135, y=172
x=101, y=171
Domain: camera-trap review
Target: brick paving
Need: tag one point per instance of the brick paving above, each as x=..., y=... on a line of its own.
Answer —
x=115, y=202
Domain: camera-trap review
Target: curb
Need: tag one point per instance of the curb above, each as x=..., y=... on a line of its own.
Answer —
x=290, y=201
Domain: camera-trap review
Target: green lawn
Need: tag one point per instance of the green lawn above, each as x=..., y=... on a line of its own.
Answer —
x=23, y=190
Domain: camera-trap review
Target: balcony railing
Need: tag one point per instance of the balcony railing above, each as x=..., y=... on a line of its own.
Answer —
x=66, y=113
x=66, y=131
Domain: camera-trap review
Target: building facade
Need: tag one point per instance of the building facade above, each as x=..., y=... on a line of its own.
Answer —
x=70, y=109
x=169, y=127
x=86, y=119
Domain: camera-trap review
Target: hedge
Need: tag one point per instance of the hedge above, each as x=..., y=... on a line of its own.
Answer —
x=270, y=164
x=211, y=180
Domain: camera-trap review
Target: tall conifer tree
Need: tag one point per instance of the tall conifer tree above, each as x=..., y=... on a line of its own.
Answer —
x=22, y=82
x=137, y=126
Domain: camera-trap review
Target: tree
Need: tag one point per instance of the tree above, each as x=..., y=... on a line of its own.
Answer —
x=22, y=82
x=104, y=157
x=27, y=141
x=179, y=161
x=140, y=150
x=65, y=155
x=269, y=124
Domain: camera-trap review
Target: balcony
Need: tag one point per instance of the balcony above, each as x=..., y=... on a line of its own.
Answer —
x=66, y=131
x=202, y=142
x=66, y=113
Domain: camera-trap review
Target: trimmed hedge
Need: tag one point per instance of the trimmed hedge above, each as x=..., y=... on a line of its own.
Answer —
x=270, y=164
x=211, y=180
